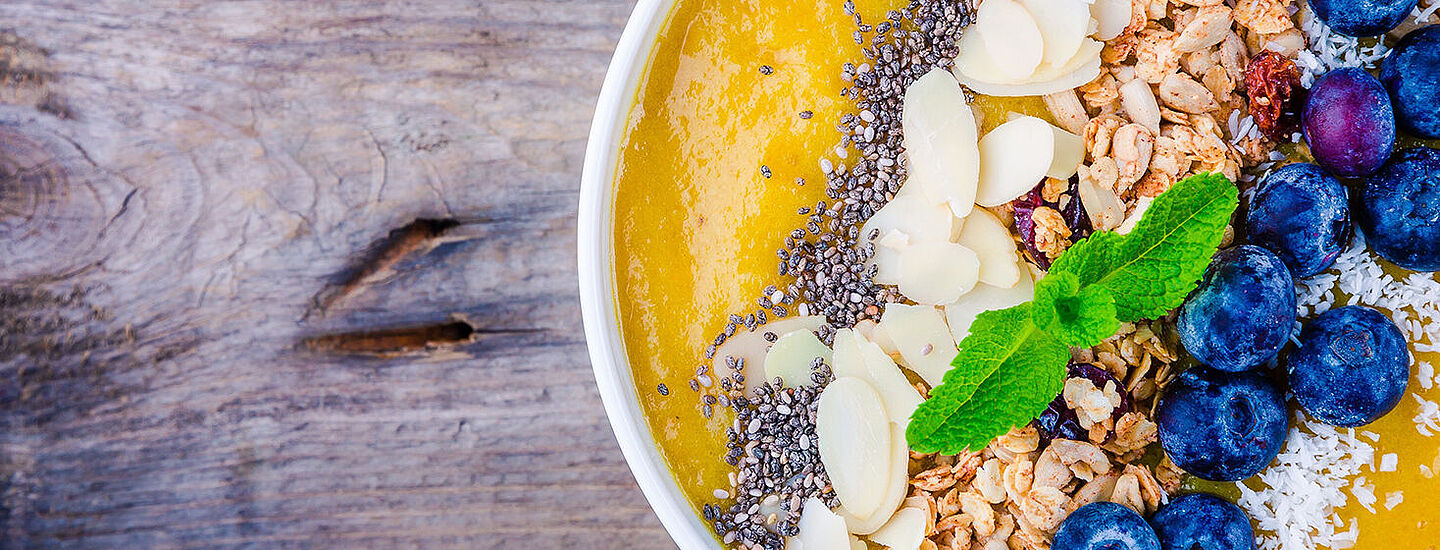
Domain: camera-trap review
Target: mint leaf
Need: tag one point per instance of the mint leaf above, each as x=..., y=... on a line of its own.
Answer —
x=1150, y=271
x=1027, y=371
x=1004, y=348
x=1078, y=317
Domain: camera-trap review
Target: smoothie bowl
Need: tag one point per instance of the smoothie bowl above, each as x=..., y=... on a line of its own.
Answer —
x=1022, y=273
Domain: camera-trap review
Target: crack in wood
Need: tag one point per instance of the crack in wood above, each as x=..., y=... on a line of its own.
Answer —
x=406, y=341
x=415, y=238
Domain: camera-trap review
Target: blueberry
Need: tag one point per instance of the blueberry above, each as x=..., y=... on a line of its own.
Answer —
x=1412, y=74
x=1243, y=311
x=1221, y=426
x=1351, y=367
x=1105, y=526
x=1362, y=17
x=1302, y=215
x=1200, y=521
x=1399, y=210
x=1348, y=122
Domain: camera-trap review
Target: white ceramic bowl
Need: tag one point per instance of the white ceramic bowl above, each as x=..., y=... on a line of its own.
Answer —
x=597, y=279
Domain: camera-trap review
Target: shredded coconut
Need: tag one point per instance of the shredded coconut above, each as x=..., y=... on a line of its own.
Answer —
x=1330, y=50
x=1393, y=499
x=1427, y=421
x=1388, y=462
x=1304, y=486
x=1413, y=301
x=1364, y=494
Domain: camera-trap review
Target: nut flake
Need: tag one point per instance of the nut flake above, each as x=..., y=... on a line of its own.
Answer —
x=1264, y=16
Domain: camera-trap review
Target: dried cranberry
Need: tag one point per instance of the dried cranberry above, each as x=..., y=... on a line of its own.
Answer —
x=1024, y=207
x=1058, y=421
x=1272, y=82
x=1073, y=211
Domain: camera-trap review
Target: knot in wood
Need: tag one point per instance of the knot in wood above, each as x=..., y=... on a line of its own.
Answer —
x=50, y=213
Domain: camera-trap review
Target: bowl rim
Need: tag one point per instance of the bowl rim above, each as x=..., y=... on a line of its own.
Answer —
x=599, y=313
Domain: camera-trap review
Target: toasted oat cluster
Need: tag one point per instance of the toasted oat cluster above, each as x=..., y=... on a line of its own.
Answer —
x=1015, y=493
x=1170, y=102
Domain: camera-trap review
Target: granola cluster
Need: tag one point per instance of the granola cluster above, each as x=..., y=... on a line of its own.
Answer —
x=1166, y=106
x=1015, y=493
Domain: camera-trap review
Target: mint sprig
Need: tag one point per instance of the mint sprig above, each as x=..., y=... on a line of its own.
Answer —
x=1013, y=362
x=1151, y=270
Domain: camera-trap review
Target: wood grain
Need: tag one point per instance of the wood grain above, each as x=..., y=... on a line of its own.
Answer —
x=301, y=274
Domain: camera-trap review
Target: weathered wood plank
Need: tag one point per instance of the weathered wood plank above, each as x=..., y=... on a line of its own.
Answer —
x=216, y=329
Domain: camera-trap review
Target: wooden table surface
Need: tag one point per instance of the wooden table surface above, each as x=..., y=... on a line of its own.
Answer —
x=280, y=273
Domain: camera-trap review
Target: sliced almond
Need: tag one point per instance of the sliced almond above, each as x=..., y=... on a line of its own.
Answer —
x=1062, y=23
x=1139, y=102
x=1013, y=158
x=853, y=435
x=1066, y=108
x=855, y=357
x=1069, y=153
x=791, y=356
x=899, y=397
x=1012, y=37
x=911, y=215
x=1101, y=205
x=1141, y=205
x=895, y=488
x=908, y=218
x=1089, y=50
x=923, y=339
x=871, y=330
x=1111, y=17
x=820, y=528
x=848, y=360
x=904, y=531
x=751, y=346
x=937, y=273
x=991, y=241
x=941, y=143
x=975, y=71
x=961, y=314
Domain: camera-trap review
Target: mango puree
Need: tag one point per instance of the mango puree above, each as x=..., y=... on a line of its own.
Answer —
x=697, y=224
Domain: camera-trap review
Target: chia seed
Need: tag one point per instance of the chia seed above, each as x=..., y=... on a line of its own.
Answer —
x=771, y=442
x=662, y=389
x=774, y=476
